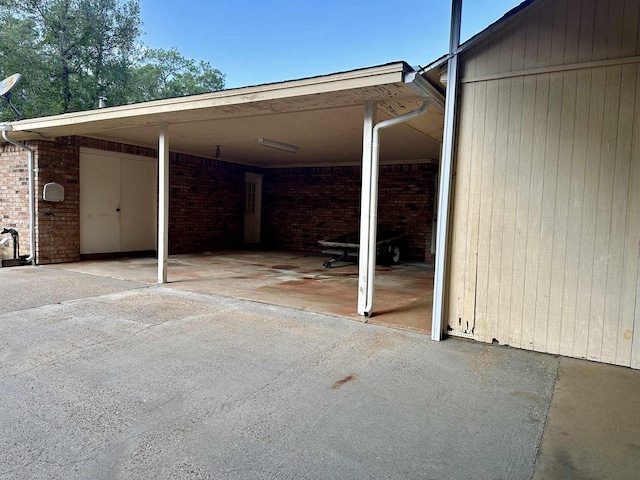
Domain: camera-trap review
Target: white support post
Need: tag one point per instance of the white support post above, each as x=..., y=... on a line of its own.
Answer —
x=370, y=109
x=369, y=215
x=163, y=202
x=444, y=194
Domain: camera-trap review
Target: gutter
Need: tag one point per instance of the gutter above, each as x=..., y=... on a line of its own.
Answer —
x=32, y=208
x=424, y=89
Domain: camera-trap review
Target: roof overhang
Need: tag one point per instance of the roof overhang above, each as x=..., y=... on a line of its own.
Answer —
x=322, y=115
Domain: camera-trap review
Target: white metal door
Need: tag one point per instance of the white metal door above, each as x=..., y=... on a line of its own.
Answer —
x=99, y=204
x=252, y=208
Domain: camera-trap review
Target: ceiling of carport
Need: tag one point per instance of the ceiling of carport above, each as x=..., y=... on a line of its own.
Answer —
x=324, y=137
x=322, y=116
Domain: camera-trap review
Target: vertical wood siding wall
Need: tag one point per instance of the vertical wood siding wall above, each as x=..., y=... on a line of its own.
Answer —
x=546, y=222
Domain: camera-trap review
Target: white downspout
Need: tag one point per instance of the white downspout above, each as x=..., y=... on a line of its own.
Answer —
x=444, y=194
x=370, y=235
x=365, y=202
x=32, y=206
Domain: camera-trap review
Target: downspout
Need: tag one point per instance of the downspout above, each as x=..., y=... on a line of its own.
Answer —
x=373, y=205
x=370, y=110
x=32, y=206
x=442, y=232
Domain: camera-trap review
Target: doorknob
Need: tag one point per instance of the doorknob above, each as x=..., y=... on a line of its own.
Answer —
x=117, y=209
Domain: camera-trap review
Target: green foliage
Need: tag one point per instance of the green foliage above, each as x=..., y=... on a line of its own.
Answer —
x=166, y=74
x=19, y=44
x=71, y=52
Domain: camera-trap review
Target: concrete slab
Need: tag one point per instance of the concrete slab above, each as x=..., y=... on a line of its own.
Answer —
x=28, y=287
x=403, y=296
x=593, y=429
x=163, y=383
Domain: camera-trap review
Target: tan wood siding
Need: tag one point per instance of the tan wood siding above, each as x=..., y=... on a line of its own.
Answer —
x=560, y=32
x=545, y=250
x=546, y=221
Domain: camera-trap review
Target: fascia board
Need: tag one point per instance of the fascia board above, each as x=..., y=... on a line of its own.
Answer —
x=144, y=112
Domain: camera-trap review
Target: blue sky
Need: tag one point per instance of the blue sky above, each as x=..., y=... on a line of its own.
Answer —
x=255, y=42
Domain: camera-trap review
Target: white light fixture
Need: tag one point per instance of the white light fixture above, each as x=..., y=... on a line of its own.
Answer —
x=279, y=145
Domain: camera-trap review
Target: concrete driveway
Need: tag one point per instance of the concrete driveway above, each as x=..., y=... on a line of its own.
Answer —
x=103, y=378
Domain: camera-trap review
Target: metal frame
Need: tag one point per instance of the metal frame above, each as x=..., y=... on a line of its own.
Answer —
x=444, y=194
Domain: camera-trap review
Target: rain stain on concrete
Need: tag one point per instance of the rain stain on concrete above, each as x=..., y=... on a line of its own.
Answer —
x=344, y=381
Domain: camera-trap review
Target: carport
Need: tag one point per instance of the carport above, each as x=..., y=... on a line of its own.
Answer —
x=329, y=125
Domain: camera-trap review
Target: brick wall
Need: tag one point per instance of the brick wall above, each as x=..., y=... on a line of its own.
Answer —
x=206, y=209
x=300, y=205
x=304, y=205
x=57, y=227
x=57, y=223
x=406, y=202
x=14, y=199
x=109, y=146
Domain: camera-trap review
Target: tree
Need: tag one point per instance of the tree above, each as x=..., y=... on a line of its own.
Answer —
x=166, y=74
x=71, y=52
x=89, y=41
x=106, y=51
x=35, y=94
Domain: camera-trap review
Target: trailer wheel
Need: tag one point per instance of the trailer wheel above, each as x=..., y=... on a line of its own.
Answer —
x=394, y=254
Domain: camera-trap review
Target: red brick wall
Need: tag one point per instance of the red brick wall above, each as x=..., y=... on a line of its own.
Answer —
x=14, y=197
x=57, y=223
x=57, y=226
x=206, y=204
x=110, y=146
x=304, y=205
x=406, y=203
x=300, y=205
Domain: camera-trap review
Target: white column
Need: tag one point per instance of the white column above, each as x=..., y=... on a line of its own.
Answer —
x=442, y=229
x=370, y=109
x=163, y=202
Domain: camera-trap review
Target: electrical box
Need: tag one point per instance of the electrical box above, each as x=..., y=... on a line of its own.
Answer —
x=53, y=192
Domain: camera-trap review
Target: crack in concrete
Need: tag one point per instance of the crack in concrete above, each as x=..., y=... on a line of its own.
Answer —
x=546, y=417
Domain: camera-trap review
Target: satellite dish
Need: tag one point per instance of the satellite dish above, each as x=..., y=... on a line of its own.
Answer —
x=8, y=83
x=5, y=91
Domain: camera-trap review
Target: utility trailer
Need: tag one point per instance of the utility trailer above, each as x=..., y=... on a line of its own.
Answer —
x=345, y=248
